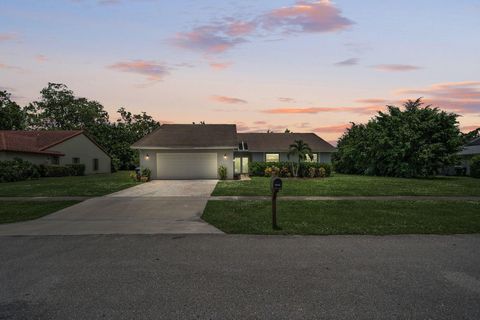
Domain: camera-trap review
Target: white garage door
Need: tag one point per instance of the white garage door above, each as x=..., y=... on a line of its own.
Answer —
x=186, y=165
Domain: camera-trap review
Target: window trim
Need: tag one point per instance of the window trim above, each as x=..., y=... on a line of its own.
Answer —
x=96, y=164
x=75, y=162
x=272, y=153
x=55, y=160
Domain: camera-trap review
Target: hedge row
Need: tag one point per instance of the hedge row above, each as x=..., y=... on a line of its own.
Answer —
x=18, y=170
x=285, y=168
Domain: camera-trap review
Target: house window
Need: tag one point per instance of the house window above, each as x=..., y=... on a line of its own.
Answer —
x=95, y=164
x=314, y=159
x=75, y=160
x=272, y=157
x=55, y=160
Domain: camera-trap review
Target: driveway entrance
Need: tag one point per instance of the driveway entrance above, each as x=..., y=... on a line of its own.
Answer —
x=159, y=206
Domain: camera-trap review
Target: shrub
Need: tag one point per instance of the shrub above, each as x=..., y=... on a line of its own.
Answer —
x=312, y=172
x=321, y=172
x=76, y=169
x=17, y=170
x=282, y=169
x=57, y=171
x=272, y=171
x=305, y=169
x=146, y=173
x=285, y=172
x=475, y=167
x=114, y=164
x=222, y=172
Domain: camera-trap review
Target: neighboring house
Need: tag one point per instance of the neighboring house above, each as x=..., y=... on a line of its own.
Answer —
x=470, y=150
x=55, y=147
x=195, y=151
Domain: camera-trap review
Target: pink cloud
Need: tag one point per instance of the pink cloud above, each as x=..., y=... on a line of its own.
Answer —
x=154, y=71
x=318, y=16
x=41, y=58
x=229, y=100
x=314, y=110
x=260, y=122
x=214, y=38
x=348, y=62
x=207, y=39
x=339, y=128
x=459, y=97
x=286, y=100
x=7, y=36
x=395, y=67
x=220, y=65
x=372, y=101
x=240, y=28
x=470, y=128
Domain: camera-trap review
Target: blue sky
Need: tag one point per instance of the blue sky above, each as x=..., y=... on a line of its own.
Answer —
x=305, y=65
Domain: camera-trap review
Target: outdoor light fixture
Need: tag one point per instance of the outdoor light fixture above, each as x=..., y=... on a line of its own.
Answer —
x=225, y=156
x=147, y=157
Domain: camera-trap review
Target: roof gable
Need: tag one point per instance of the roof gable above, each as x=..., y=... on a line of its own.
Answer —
x=35, y=141
x=178, y=136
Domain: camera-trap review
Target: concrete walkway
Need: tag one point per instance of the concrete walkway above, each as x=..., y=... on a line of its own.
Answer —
x=151, y=208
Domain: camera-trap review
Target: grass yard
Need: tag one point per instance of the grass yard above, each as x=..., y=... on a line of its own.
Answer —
x=15, y=211
x=345, y=217
x=354, y=185
x=92, y=185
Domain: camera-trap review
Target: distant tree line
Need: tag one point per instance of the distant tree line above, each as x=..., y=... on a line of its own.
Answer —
x=59, y=109
x=417, y=141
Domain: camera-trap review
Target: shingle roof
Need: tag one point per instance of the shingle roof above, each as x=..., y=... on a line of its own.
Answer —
x=34, y=141
x=474, y=142
x=190, y=136
x=280, y=142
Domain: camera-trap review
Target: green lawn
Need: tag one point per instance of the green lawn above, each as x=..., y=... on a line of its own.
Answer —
x=346, y=217
x=14, y=211
x=93, y=185
x=353, y=185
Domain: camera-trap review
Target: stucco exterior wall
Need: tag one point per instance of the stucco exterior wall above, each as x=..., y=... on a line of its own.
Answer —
x=31, y=157
x=151, y=162
x=83, y=148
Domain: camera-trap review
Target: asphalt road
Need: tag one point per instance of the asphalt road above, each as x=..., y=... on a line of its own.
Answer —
x=240, y=277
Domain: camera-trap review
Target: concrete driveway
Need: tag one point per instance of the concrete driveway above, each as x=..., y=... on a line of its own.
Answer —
x=160, y=206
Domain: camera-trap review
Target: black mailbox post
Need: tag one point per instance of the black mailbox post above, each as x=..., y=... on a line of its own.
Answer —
x=275, y=186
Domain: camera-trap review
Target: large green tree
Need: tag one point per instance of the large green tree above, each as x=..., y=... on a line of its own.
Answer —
x=417, y=141
x=59, y=109
x=12, y=117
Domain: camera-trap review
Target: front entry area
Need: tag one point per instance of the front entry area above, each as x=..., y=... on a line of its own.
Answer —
x=241, y=164
x=186, y=166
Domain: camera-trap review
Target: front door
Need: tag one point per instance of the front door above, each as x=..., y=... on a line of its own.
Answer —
x=244, y=165
x=241, y=165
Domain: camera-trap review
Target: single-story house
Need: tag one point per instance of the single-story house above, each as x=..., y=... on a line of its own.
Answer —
x=196, y=151
x=55, y=147
x=469, y=151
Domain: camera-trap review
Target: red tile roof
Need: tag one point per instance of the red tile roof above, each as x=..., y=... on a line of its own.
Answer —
x=35, y=141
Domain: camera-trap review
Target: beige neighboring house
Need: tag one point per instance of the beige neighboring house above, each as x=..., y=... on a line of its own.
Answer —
x=56, y=147
x=196, y=151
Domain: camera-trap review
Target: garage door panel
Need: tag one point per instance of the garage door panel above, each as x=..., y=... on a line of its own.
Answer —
x=186, y=165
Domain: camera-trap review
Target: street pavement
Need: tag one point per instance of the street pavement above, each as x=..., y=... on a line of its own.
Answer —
x=240, y=277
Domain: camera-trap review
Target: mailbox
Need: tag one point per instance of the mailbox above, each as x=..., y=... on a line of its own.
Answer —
x=276, y=184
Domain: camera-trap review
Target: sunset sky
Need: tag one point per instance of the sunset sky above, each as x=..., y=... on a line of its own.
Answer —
x=302, y=65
